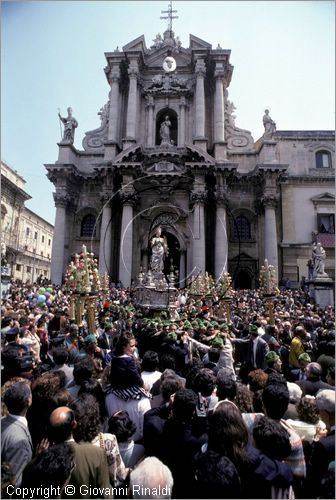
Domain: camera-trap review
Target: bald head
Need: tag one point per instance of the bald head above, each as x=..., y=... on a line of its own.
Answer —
x=61, y=423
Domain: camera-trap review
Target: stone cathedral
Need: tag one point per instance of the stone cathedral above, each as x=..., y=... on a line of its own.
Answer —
x=168, y=153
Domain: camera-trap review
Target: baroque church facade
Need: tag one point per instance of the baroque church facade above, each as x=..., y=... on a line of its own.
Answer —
x=168, y=153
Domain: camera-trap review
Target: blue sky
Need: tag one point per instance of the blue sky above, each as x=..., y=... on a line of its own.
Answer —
x=52, y=56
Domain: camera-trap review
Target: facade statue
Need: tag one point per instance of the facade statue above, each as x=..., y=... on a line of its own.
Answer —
x=70, y=123
x=159, y=250
x=165, y=131
x=318, y=258
x=3, y=253
x=158, y=40
x=269, y=124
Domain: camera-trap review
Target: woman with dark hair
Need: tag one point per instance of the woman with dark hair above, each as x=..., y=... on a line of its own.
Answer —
x=88, y=430
x=94, y=388
x=257, y=380
x=126, y=391
x=123, y=428
x=260, y=476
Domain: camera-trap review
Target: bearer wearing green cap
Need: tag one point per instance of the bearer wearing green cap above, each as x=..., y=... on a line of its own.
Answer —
x=273, y=362
x=300, y=373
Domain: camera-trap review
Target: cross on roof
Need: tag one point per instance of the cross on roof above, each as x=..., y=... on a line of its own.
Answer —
x=170, y=16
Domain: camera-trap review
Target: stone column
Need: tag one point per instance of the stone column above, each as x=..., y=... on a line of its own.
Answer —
x=200, y=105
x=271, y=240
x=112, y=135
x=198, y=199
x=57, y=253
x=219, y=131
x=182, y=127
x=182, y=274
x=221, y=240
x=105, y=244
x=131, y=106
x=150, y=121
x=126, y=238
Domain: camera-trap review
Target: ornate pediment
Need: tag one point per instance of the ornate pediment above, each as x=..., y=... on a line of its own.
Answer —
x=324, y=198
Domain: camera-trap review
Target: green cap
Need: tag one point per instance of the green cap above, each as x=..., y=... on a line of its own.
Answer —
x=253, y=329
x=271, y=357
x=223, y=326
x=217, y=342
x=90, y=339
x=172, y=336
x=304, y=357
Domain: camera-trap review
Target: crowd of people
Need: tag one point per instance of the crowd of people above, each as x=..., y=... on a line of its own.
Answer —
x=147, y=406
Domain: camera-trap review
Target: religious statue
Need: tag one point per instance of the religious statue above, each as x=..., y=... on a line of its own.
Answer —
x=159, y=250
x=3, y=253
x=318, y=258
x=269, y=124
x=165, y=131
x=158, y=41
x=70, y=123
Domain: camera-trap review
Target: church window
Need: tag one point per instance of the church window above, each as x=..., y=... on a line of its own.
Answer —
x=326, y=223
x=241, y=228
x=323, y=159
x=88, y=226
x=3, y=212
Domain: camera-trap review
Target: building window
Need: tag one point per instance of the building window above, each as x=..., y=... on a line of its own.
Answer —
x=28, y=269
x=27, y=231
x=42, y=238
x=48, y=255
x=326, y=223
x=88, y=226
x=26, y=247
x=18, y=267
x=35, y=235
x=241, y=228
x=323, y=159
x=49, y=243
x=41, y=253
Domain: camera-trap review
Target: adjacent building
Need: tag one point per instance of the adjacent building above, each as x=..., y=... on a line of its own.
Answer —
x=168, y=153
x=26, y=238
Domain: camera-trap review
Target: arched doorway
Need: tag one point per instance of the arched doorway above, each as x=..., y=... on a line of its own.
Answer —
x=243, y=280
x=173, y=129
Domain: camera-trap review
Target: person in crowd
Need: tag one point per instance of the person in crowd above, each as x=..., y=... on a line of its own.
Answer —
x=228, y=436
x=87, y=416
x=300, y=373
x=151, y=479
x=313, y=383
x=295, y=394
x=255, y=350
x=257, y=380
x=51, y=470
x=16, y=442
x=297, y=346
x=215, y=476
x=126, y=390
x=60, y=357
x=149, y=369
x=178, y=442
x=273, y=362
x=327, y=360
x=123, y=428
x=91, y=461
x=323, y=453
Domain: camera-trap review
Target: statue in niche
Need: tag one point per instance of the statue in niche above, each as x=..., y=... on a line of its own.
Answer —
x=70, y=123
x=159, y=250
x=269, y=124
x=165, y=130
x=318, y=258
